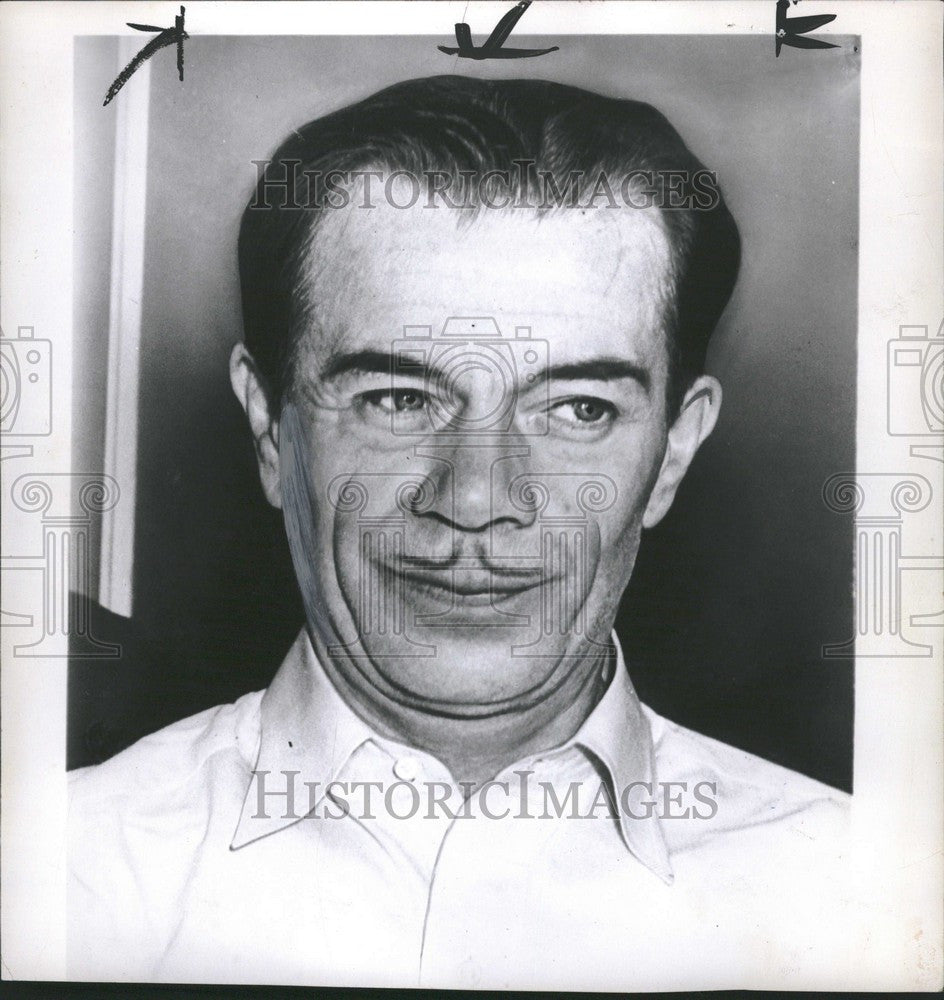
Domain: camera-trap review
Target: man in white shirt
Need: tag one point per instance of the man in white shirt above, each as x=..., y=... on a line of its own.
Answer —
x=476, y=315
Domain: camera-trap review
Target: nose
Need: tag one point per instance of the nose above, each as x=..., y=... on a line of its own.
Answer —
x=472, y=479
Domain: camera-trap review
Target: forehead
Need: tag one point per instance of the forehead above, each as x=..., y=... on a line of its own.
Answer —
x=585, y=280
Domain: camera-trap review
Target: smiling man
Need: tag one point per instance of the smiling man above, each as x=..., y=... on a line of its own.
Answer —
x=476, y=315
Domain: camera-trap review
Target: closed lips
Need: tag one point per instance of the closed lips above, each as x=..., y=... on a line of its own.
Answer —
x=472, y=583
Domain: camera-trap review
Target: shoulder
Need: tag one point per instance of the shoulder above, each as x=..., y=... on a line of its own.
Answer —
x=766, y=866
x=174, y=757
x=155, y=797
x=136, y=826
x=751, y=793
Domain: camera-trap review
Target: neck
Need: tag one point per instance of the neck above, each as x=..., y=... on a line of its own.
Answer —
x=476, y=748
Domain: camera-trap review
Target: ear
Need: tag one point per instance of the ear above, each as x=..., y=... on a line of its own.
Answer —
x=254, y=397
x=696, y=420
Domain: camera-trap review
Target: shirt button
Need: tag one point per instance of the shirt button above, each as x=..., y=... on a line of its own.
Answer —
x=406, y=768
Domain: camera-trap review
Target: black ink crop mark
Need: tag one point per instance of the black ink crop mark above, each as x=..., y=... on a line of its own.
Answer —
x=165, y=37
x=790, y=31
x=493, y=48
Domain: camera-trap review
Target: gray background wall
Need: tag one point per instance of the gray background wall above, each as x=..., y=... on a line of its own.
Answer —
x=734, y=593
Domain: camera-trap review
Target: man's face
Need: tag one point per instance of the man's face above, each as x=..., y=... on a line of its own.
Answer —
x=473, y=439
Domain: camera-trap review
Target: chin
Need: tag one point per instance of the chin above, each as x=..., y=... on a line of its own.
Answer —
x=466, y=669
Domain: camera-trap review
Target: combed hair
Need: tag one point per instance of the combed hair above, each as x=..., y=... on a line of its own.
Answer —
x=456, y=124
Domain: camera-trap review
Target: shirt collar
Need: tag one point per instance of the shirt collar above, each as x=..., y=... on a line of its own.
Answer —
x=307, y=728
x=617, y=733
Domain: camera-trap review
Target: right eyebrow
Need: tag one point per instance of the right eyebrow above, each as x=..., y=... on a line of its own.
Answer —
x=378, y=363
x=358, y=362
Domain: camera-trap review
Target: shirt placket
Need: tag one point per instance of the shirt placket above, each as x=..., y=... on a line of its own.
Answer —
x=392, y=794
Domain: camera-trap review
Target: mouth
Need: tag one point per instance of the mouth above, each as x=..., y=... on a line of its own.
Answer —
x=475, y=587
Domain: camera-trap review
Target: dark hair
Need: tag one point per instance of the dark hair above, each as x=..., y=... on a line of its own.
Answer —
x=456, y=124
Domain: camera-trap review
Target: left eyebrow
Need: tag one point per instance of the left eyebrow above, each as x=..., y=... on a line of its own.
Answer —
x=598, y=369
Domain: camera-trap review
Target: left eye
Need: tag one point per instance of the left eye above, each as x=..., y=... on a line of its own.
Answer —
x=584, y=412
x=589, y=411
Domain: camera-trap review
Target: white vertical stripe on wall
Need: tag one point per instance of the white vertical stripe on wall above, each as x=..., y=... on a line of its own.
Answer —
x=124, y=330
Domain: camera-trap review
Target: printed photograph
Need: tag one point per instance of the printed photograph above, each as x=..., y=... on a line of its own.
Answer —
x=462, y=595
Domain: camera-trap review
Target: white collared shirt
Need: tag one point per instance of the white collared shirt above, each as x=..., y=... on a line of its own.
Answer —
x=280, y=840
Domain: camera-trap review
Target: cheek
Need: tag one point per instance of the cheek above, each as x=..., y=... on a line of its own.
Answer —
x=620, y=533
x=312, y=484
x=621, y=526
